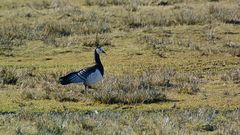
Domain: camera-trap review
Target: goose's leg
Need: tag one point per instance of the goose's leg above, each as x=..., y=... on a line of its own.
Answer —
x=90, y=89
x=86, y=87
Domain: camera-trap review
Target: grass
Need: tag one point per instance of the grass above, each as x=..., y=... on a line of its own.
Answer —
x=121, y=122
x=172, y=67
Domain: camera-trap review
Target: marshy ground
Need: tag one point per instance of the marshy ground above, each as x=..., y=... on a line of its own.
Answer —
x=173, y=67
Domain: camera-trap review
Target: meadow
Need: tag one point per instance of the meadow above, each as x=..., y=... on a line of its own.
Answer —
x=172, y=66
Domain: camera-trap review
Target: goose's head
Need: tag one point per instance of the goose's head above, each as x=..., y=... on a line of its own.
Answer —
x=99, y=50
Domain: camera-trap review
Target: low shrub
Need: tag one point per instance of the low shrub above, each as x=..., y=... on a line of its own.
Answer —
x=130, y=89
x=13, y=76
x=187, y=83
x=233, y=75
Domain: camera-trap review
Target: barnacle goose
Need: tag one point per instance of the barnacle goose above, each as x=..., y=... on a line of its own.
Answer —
x=88, y=76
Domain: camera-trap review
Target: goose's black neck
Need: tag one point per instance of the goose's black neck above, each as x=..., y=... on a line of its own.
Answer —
x=97, y=58
x=99, y=63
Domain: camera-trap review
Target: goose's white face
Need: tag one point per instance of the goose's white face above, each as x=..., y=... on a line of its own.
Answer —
x=99, y=50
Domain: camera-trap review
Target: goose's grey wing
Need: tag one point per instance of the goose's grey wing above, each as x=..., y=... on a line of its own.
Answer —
x=77, y=77
x=71, y=78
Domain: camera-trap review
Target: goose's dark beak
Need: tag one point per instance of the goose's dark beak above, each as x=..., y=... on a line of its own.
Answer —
x=103, y=52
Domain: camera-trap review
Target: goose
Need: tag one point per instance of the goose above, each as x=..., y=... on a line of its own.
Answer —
x=87, y=76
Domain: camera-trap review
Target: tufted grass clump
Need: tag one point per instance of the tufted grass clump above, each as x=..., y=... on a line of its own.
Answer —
x=187, y=83
x=166, y=17
x=106, y=2
x=131, y=89
x=14, y=76
x=46, y=86
x=233, y=75
x=53, y=126
x=226, y=14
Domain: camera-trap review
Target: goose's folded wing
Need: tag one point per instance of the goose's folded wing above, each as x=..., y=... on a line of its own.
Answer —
x=71, y=78
x=84, y=73
x=77, y=77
